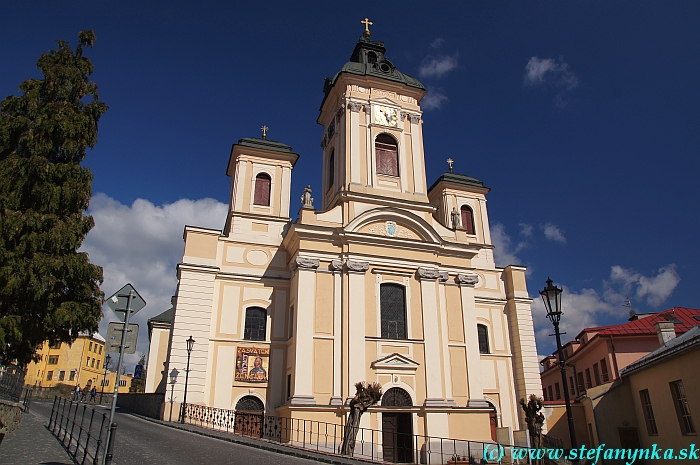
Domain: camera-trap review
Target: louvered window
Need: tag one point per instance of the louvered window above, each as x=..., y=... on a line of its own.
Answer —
x=393, y=311
x=468, y=219
x=262, y=190
x=387, y=155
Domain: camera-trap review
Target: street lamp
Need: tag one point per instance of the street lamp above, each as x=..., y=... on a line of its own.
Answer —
x=173, y=380
x=551, y=296
x=190, y=345
x=108, y=358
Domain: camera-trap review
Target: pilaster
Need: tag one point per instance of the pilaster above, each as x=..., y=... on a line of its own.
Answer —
x=337, y=268
x=433, y=371
x=356, y=327
x=354, y=142
x=306, y=299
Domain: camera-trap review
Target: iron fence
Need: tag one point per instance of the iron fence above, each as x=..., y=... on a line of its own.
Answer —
x=371, y=444
x=81, y=429
x=11, y=382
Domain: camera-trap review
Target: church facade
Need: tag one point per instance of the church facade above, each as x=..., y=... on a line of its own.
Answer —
x=388, y=280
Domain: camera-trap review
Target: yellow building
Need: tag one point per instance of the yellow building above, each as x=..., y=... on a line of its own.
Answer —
x=391, y=280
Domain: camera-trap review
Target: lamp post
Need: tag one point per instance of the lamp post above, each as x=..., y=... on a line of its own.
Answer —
x=108, y=358
x=173, y=380
x=551, y=296
x=190, y=345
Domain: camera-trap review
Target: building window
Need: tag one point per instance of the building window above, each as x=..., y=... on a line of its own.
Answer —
x=483, y=333
x=255, y=324
x=604, y=370
x=289, y=386
x=648, y=412
x=291, y=322
x=87, y=362
x=100, y=350
x=682, y=408
x=572, y=388
x=49, y=375
x=387, y=154
x=549, y=391
x=122, y=383
x=596, y=374
x=61, y=375
x=331, y=169
x=392, y=298
x=53, y=359
x=588, y=378
x=396, y=397
x=71, y=376
x=262, y=190
x=467, y=219
x=55, y=345
x=92, y=364
x=579, y=378
x=98, y=365
x=557, y=391
x=90, y=348
x=105, y=382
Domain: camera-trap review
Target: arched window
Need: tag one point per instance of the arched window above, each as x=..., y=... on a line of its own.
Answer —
x=371, y=57
x=396, y=397
x=262, y=190
x=387, y=155
x=392, y=298
x=255, y=324
x=331, y=169
x=483, y=339
x=250, y=404
x=467, y=219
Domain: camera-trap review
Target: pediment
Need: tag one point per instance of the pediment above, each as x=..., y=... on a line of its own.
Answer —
x=390, y=229
x=394, y=223
x=395, y=362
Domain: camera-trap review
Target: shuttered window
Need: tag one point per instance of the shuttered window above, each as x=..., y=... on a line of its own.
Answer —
x=262, y=190
x=387, y=153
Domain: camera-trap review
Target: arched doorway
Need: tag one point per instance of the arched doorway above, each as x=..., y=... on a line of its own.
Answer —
x=493, y=420
x=249, y=417
x=397, y=427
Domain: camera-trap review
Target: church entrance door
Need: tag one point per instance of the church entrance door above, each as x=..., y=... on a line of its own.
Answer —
x=249, y=417
x=397, y=437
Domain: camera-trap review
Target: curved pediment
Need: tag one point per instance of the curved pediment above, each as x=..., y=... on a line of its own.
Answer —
x=392, y=222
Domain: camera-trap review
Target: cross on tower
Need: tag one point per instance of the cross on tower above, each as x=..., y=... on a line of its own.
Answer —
x=367, y=24
x=449, y=162
x=264, y=130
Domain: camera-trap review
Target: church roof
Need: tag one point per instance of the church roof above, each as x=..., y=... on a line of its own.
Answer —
x=459, y=179
x=165, y=317
x=265, y=144
x=684, y=319
x=368, y=59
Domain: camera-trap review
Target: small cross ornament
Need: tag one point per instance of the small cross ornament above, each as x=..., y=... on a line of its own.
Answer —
x=264, y=129
x=449, y=162
x=367, y=24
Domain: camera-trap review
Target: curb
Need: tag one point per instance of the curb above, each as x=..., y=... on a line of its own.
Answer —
x=259, y=443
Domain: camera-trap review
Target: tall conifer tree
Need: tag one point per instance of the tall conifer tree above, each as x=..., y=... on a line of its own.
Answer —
x=48, y=291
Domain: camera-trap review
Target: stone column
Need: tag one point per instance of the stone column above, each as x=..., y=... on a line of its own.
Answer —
x=433, y=371
x=466, y=282
x=356, y=323
x=337, y=268
x=304, y=347
x=354, y=142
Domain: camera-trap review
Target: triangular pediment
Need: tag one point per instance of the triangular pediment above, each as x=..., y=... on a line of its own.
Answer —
x=395, y=362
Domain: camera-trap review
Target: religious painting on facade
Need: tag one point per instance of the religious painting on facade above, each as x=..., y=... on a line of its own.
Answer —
x=252, y=364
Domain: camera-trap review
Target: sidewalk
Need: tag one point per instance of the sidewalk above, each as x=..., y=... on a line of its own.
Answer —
x=32, y=444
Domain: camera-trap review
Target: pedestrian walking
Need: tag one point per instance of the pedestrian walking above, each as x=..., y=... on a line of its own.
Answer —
x=84, y=393
x=93, y=394
x=76, y=392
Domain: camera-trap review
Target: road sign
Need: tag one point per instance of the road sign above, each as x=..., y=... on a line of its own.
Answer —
x=114, y=337
x=117, y=301
x=138, y=371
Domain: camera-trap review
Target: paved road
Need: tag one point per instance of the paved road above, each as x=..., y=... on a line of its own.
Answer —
x=141, y=442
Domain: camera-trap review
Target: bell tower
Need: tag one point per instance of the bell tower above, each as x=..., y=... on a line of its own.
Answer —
x=372, y=140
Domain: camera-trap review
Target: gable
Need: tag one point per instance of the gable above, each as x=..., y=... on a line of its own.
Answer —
x=395, y=362
x=390, y=229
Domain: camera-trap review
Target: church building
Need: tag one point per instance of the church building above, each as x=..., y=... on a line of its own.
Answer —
x=384, y=278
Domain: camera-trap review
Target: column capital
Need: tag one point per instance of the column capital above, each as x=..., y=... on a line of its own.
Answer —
x=305, y=263
x=427, y=273
x=354, y=107
x=336, y=265
x=356, y=266
x=443, y=276
x=415, y=119
x=467, y=279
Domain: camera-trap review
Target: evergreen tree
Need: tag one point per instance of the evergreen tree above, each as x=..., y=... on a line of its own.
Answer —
x=48, y=291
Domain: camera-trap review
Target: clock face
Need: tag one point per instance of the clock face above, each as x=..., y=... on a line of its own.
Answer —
x=385, y=116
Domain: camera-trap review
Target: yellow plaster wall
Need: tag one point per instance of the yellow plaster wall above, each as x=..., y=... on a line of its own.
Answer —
x=201, y=245
x=323, y=320
x=455, y=326
x=472, y=426
x=323, y=370
x=458, y=364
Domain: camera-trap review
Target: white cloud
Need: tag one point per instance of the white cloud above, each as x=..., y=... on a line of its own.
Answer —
x=142, y=244
x=553, y=233
x=655, y=289
x=437, y=43
x=437, y=66
x=504, y=252
x=526, y=229
x=433, y=99
x=549, y=72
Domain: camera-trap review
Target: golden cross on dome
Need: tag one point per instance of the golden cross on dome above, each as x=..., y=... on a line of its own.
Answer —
x=264, y=129
x=367, y=24
x=449, y=162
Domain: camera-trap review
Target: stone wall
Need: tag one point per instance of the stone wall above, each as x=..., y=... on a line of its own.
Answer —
x=148, y=405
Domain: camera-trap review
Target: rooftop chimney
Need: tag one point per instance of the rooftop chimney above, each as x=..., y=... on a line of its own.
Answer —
x=665, y=330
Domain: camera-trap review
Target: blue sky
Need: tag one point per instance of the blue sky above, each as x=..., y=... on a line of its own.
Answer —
x=582, y=117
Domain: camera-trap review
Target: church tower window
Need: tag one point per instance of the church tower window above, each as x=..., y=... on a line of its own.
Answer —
x=262, y=190
x=331, y=169
x=387, y=155
x=255, y=324
x=392, y=299
x=483, y=339
x=468, y=219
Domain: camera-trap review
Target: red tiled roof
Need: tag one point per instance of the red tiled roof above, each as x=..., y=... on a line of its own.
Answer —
x=683, y=317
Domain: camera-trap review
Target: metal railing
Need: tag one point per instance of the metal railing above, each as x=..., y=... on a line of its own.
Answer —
x=81, y=429
x=11, y=382
x=325, y=437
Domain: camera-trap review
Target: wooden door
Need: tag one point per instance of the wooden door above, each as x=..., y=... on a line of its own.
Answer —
x=389, y=430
